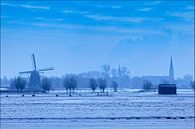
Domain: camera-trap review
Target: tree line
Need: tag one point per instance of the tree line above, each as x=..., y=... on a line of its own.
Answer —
x=69, y=83
x=108, y=76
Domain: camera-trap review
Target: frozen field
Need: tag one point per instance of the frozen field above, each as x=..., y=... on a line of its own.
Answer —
x=123, y=110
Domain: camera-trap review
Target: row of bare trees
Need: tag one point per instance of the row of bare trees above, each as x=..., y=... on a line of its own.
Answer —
x=102, y=84
x=119, y=72
x=20, y=84
x=70, y=84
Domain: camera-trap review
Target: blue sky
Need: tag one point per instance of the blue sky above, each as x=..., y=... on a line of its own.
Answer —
x=79, y=36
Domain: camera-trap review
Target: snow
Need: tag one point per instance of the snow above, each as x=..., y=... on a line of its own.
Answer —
x=85, y=110
x=102, y=124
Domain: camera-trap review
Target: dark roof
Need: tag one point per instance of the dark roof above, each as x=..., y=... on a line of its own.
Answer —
x=167, y=85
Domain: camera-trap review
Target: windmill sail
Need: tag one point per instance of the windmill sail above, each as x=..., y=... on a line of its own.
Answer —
x=46, y=69
x=34, y=62
x=25, y=72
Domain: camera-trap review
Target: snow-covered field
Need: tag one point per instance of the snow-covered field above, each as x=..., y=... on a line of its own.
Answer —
x=123, y=110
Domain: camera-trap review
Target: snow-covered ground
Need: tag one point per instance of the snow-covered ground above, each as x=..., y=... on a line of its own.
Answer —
x=122, y=110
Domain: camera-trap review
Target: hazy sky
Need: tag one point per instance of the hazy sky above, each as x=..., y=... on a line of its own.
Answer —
x=77, y=36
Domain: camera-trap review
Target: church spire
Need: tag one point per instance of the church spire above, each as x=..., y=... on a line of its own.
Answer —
x=171, y=70
x=119, y=70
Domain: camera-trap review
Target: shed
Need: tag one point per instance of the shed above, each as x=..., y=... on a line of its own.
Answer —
x=167, y=89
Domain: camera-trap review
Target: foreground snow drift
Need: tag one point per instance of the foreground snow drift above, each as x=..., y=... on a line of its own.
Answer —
x=119, y=110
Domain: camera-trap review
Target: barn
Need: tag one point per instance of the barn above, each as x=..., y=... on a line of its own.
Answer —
x=167, y=89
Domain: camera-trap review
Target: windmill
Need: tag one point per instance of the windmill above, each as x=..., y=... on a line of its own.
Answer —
x=35, y=81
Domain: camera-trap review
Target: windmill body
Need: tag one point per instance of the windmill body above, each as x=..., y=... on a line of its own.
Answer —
x=35, y=81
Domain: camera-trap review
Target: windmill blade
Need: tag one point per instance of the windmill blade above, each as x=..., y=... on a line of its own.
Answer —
x=33, y=61
x=25, y=72
x=46, y=69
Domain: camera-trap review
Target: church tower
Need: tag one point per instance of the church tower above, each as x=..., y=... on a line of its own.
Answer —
x=171, y=70
x=119, y=71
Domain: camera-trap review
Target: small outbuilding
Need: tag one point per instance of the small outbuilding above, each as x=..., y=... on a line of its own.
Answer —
x=167, y=89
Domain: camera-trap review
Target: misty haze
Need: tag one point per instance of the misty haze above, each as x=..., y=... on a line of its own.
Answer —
x=97, y=64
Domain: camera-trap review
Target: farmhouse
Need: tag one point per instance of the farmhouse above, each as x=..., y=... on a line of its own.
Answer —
x=167, y=89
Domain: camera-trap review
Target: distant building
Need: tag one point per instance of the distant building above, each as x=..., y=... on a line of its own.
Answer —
x=162, y=79
x=167, y=89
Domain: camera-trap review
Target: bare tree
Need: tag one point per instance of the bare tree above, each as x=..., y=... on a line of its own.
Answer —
x=115, y=86
x=66, y=83
x=46, y=84
x=102, y=84
x=70, y=83
x=147, y=86
x=93, y=84
x=73, y=83
x=19, y=83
